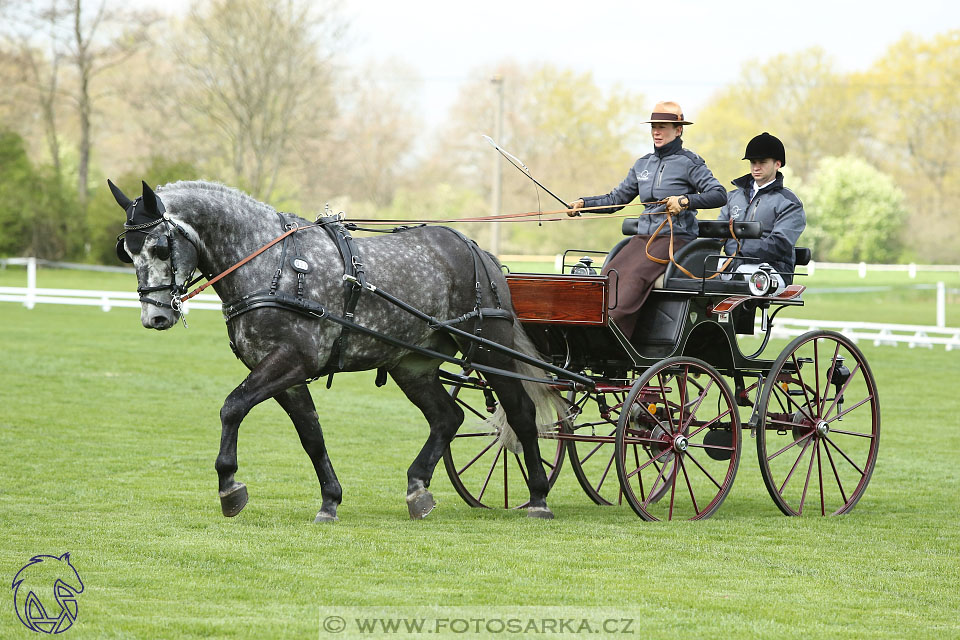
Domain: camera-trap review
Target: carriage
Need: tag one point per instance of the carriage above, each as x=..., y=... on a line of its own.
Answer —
x=664, y=422
x=649, y=419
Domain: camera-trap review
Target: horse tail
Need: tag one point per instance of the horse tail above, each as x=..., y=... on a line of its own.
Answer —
x=550, y=405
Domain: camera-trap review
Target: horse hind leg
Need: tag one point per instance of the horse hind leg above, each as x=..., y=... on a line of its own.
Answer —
x=424, y=390
x=299, y=405
x=522, y=417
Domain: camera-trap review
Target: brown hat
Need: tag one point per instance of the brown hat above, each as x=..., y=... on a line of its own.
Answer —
x=667, y=112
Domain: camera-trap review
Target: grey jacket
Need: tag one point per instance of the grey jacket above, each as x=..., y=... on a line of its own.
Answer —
x=779, y=211
x=670, y=170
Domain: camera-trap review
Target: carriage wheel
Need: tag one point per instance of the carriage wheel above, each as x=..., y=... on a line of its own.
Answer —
x=593, y=417
x=678, y=441
x=484, y=472
x=819, y=429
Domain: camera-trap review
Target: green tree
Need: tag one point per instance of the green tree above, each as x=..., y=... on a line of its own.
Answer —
x=39, y=216
x=575, y=138
x=253, y=81
x=916, y=109
x=854, y=212
x=798, y=97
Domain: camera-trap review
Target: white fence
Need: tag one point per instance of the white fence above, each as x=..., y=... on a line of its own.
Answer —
x=877, y=333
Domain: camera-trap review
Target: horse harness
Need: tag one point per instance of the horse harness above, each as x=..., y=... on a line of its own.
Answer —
x=354, y=282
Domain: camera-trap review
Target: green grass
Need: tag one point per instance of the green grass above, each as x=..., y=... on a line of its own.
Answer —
x=108, y=434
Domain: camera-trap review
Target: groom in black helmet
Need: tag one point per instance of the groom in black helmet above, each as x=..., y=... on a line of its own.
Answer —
x=761, y=196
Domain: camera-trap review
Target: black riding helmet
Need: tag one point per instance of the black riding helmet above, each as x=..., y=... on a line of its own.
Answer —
x=765, y=146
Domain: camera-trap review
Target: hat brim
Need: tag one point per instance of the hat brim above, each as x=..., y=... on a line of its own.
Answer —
x=668, y=121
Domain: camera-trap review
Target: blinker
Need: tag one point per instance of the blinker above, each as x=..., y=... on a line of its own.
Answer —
x=122, y=254
x=162, y=249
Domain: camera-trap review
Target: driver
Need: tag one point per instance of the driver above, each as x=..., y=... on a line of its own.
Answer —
x=672, y=174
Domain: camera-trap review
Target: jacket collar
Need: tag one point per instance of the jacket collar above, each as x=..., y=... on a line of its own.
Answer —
x=746, y=182
x=670, y=148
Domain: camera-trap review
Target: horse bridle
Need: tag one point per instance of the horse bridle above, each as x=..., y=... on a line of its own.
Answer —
x=162, y=251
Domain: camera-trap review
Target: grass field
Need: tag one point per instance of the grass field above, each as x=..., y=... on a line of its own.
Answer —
x=108, y=435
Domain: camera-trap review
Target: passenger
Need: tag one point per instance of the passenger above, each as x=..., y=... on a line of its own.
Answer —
x=670, y=173
x=761, y=196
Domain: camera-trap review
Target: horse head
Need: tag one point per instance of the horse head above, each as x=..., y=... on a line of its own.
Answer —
x=161, y=250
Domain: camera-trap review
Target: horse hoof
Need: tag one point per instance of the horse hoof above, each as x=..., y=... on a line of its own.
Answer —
x=323, y=517
x=543, y=513
x=233, y=501
x=420, y=503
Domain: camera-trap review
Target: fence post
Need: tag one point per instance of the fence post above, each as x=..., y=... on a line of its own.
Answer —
x=30, y=300
x=941, y=305
x=912, y=270
x=862, y=269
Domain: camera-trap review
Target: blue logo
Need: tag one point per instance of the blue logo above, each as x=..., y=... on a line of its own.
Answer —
x=45, y=594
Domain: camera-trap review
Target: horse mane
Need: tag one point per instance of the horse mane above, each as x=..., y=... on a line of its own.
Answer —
x=215, y=192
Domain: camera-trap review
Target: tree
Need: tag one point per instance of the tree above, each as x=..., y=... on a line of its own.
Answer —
x=574, y=138
x=799, y=98
x=854, y=212
x=368, y=149
x=254, y=83
x=38, y=215
x=915, y=102
x=51, y=36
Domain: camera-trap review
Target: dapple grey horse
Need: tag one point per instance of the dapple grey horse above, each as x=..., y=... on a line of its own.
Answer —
x=187, y=226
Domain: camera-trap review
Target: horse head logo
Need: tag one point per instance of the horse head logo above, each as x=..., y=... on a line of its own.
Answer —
x=33, y=586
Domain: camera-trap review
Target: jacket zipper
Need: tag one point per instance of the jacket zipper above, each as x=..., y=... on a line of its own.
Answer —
x=660, y=173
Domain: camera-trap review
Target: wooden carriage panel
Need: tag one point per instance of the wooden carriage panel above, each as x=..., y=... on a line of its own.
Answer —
x=560, y=299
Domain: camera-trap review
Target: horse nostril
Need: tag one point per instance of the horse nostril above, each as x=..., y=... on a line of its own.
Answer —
x=159, y=322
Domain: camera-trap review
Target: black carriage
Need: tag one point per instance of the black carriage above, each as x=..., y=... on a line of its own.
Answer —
x=664, y=423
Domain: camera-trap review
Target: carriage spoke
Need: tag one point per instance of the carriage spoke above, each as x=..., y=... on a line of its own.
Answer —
x=705, y=472
x=805, y=410
x=823, y=508
x=792, y=444
x=803, y=385
x=660, y=478
x=666, y=405
x=839, y=394
x=493, y=466
x=845, y=412
x=653, y=459
x=478, y=456
x=806, y=482
x=846, y=457
x=806, y=445
x=822, y=397
x=673, y=486
x=693, y=410
x=836, y=474
x=606, y=471
x=469, y=408
x=693, y=498
x=476, y=434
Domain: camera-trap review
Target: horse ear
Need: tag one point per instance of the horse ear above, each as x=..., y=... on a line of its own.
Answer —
x=150, y=200
x=121, y=199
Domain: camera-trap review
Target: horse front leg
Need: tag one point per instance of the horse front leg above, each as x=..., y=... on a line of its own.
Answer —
x=280, y=370
x=299, y=405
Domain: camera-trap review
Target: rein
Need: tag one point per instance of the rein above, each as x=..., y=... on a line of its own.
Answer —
x=293, y=229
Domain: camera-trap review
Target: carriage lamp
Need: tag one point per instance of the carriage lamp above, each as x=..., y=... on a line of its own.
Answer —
x=759, y=282
x=584, y=267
